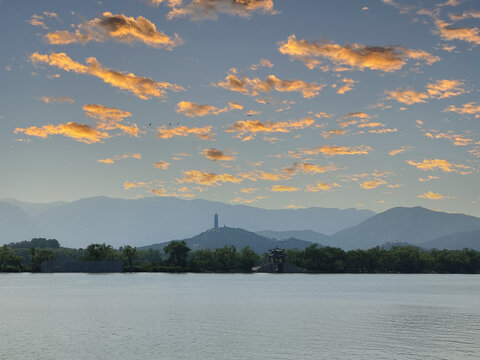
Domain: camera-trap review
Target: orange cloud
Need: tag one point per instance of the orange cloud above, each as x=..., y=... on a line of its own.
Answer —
x=206, y=178
x=204, y=133
x=431, y=195
x=120, y=157
x=399, y=151
x=440, y=164
x=161, y=165
x=208, y=9
x=248, y=190
x=57, y=100
x=110, y=118
x=440, y=89
x=216, y=155
x=332, y=150
x=253, y=127
x=282, y=188
x=447, y=32
x=382, y=131
x=263, y=63
x=456, y=139
x=79, y=132
x=192, y=109
x=347, y=87
x=118, y=27
x=321, y=186
x=470, y=108
x=241, y=200
x=408, y=96
x=37, y=20
x=262, y=175
x=428, y=178
x=308, y=168
x=134, y=184
x=253, y=87
x=355, y=56
x=372, y=184
x=143, y=87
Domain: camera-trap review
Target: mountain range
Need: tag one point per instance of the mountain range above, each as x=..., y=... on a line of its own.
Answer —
x=155, y=220
x=142, y=222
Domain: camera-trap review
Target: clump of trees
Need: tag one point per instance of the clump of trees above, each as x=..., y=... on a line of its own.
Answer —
x=400, y=259
x=178, y=257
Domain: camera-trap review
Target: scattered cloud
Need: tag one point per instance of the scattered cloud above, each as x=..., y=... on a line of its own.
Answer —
x=428, y=178
x=57, y=100
x=431, y=196
x=117, y=27
x=143, y=87
x=448, y=32
x=204, y=133
x=79, y=132
x=402, y=9
x=282, y=188
x=440, y=89
x=241, y=200
x=198, y=10
x=119, y=157
x=372, y=184
x=192, y=109
x=440, y=164
x=252, y=127
x=354, y=56
x=321, y=186
x=207, y=178
x=455, y=139
x=110, y=118
x=332, y=150
x=217, y=155
x=308, y=168
x=255, y=86
x=262, y=64
x=38, y=20
x=400, y=150
x=248, y=190
x=161, y=165
x=348, y=86
x=470, y=108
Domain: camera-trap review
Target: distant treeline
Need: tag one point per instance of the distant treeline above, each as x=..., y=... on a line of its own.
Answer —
x=178, y=257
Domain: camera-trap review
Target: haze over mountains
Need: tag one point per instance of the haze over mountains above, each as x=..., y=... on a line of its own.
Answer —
x=148, y=221
x=155, y=220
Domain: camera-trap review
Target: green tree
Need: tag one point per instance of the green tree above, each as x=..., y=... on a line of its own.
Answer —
x=129, y=254
x=247, y=259
x=101, y=252
x=177, y=253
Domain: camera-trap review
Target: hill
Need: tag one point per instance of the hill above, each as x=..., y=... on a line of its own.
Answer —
x=16, y=225
x=456, y=241
x=415, y=226
x=307, y=235
x=226, y=236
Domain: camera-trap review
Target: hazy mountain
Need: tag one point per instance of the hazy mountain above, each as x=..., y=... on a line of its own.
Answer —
x=227, y=236
x=16, y=225
x=412, y=225
x=153, y=220
x=456, y=241
x=33, y=209
x=307, y=235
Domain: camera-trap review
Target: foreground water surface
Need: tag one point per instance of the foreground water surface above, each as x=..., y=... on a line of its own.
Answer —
x=239, y=316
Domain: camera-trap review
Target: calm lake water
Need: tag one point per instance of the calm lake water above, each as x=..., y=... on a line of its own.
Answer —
x=239, y=316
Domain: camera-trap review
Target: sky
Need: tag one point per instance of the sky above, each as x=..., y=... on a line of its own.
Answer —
x=273, y=103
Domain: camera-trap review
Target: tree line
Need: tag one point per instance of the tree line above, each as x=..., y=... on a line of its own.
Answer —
x=178, y=257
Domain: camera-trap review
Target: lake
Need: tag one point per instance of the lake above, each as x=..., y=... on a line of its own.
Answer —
x=239, y=316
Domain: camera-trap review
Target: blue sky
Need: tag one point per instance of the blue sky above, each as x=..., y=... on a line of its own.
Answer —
x=367, y=104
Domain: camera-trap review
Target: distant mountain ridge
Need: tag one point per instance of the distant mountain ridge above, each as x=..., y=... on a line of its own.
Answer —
x=240, y=238
x=154, y=220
